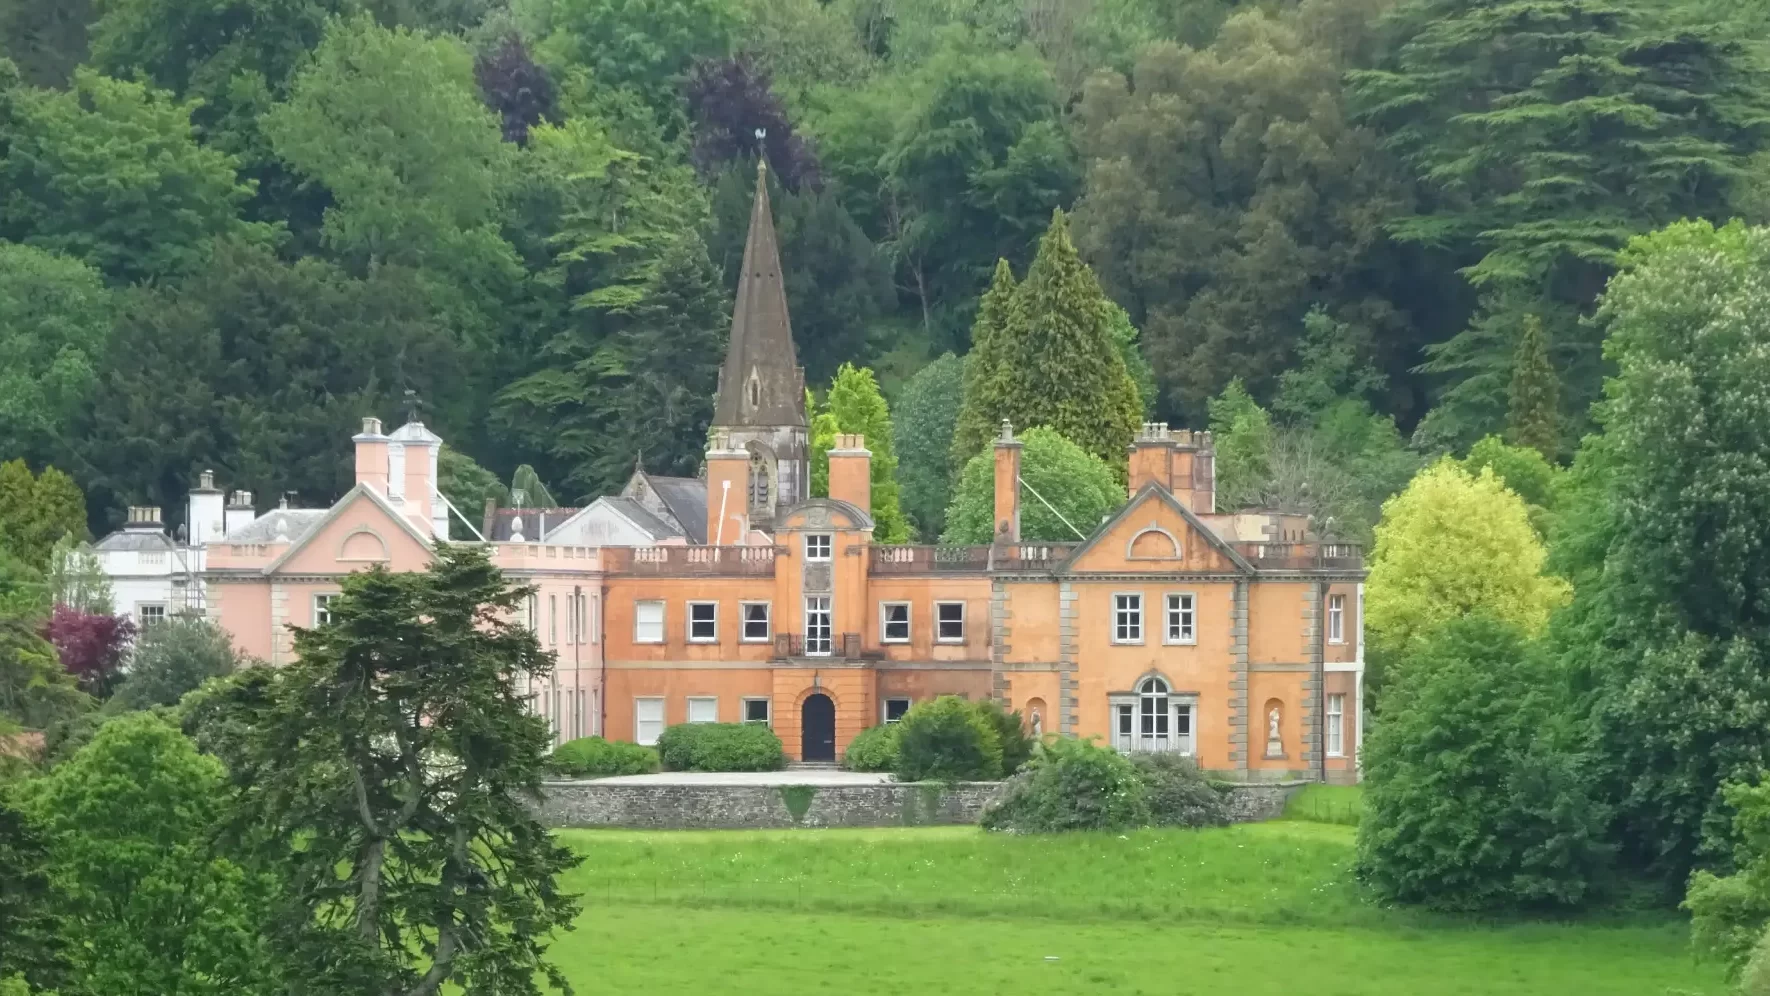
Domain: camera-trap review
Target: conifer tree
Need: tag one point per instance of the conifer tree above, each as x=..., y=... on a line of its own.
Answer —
x=1056, y=362
x=1533, y=412
x=987, y=368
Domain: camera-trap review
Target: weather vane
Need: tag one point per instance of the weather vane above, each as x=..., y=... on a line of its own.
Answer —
x=412, y=405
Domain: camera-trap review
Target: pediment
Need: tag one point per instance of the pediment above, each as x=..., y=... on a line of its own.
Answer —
x=362, y=530
x=1154, y=532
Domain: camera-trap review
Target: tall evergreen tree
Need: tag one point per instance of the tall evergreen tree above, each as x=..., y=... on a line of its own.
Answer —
x=1066, y=371
x=1533, y=415
x=988, y=369
x=926, y=411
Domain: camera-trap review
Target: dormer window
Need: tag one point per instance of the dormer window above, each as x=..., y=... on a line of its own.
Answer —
x=754, y=390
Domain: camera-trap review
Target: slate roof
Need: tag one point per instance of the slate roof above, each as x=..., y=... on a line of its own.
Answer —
x=296, y=523
x=124, y=540
x=642, y=517
x=686, y=498
x=500, y=527
x=761, y=383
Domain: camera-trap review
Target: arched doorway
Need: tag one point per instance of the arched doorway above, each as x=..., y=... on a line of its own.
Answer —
x=817, y=728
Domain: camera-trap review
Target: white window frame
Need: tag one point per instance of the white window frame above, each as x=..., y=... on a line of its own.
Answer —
x=767, y=709
x=885, y=622
x=141, y=613
x=663, y=618
x=885, y=708
x=1336, y=725
x=1154, y=719
x=1133, y=618
x=1336, y=618
x=820, y=546
x=553, y=620
x=819, y=606
x=534, y=607
x=1180, y=618
x=321, y=614
x=767, y=622
x=711, y=701
x=690, y=622
x=941, y=624
x=663, y=719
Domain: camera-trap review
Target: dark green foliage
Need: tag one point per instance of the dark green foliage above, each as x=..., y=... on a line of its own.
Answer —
x=1079, y=485
x=594, y=757
x=721, y=747
x=1549, y=132
x=1476, y=797
x=468, y=486
x=872, y=749
x=1049, y=358
x=1179, y=794
x=1728, y=914
x=1525, y=471
x=172, y=658
x=33, y=928
x=262, y=369
x=947, y=739
x=111, y=174
x=923, y=418
x=1071, y=785
x=1533, y=411
x=37, y=512
x=55, y=324
x=391, y=768
x=35, y=692
x=1017, y=744
x=46, y=38
x=130, y=823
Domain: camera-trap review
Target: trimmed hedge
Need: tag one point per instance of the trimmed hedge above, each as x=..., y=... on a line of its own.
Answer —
x=947, y=740
x=873, y=749
x=594, y=757
x=1017, y=744
x=721, y=747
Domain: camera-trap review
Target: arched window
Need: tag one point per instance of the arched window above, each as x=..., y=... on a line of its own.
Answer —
x=758, y=481
x=1152, y=719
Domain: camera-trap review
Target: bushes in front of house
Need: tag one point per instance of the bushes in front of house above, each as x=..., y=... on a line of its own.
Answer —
x=947, y=739
x=873, y=749
x=594, y=757
x=953, y=739
x=1071, y=784
x=721, y=747
x=1179, y=794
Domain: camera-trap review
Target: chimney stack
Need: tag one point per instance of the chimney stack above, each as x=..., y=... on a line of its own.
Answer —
x=728, y=491
x=144, y=518
x=240, y=512
x=1180, y=460
x=1007, y=486
x=204, y=516
x=851, y=472
x=371, y=456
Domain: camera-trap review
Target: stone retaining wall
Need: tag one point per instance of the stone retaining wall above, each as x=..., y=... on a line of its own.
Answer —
x=762, y=807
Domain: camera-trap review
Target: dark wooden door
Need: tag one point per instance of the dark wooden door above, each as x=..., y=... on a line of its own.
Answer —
x=817, y=726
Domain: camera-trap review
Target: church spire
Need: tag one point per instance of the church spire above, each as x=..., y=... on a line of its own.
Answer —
x=761, y=383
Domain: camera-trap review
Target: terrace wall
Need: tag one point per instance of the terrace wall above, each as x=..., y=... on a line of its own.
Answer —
x=592, y=804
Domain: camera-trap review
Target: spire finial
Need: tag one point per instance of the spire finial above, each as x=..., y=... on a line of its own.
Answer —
x=412, y=405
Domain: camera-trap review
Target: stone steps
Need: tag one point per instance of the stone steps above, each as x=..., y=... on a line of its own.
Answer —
x=811, y=766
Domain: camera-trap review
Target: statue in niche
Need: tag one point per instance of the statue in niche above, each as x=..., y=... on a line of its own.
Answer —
x=1038, y=725
x=1274, y=742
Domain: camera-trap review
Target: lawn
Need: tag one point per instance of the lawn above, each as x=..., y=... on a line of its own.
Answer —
x=1253, y=910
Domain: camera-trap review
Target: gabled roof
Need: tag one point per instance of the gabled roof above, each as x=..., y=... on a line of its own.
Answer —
x=150, y=540
x=686, y=499
x=641, y=517
x=761, y=383
x=325, y=518
x=1155, y=492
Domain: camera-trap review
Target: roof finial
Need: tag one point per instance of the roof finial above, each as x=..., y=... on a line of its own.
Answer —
x=412, y=405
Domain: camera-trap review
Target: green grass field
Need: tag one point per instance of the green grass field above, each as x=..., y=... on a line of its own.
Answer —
x=1249, y=910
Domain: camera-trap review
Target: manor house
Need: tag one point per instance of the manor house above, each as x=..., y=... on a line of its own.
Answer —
x=1232, y=636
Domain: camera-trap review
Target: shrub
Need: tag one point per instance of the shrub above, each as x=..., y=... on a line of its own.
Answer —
x=1179, y=794
x=1474, y=798
x=1729, y=916
x=594, y=757
x=721, y=747
x=947, y=740
x=873, y=749
x=1071, y=784
x=1017, y=745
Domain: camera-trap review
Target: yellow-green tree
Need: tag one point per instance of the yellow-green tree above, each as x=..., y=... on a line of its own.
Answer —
x=1451, y=544
x=856, y=406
